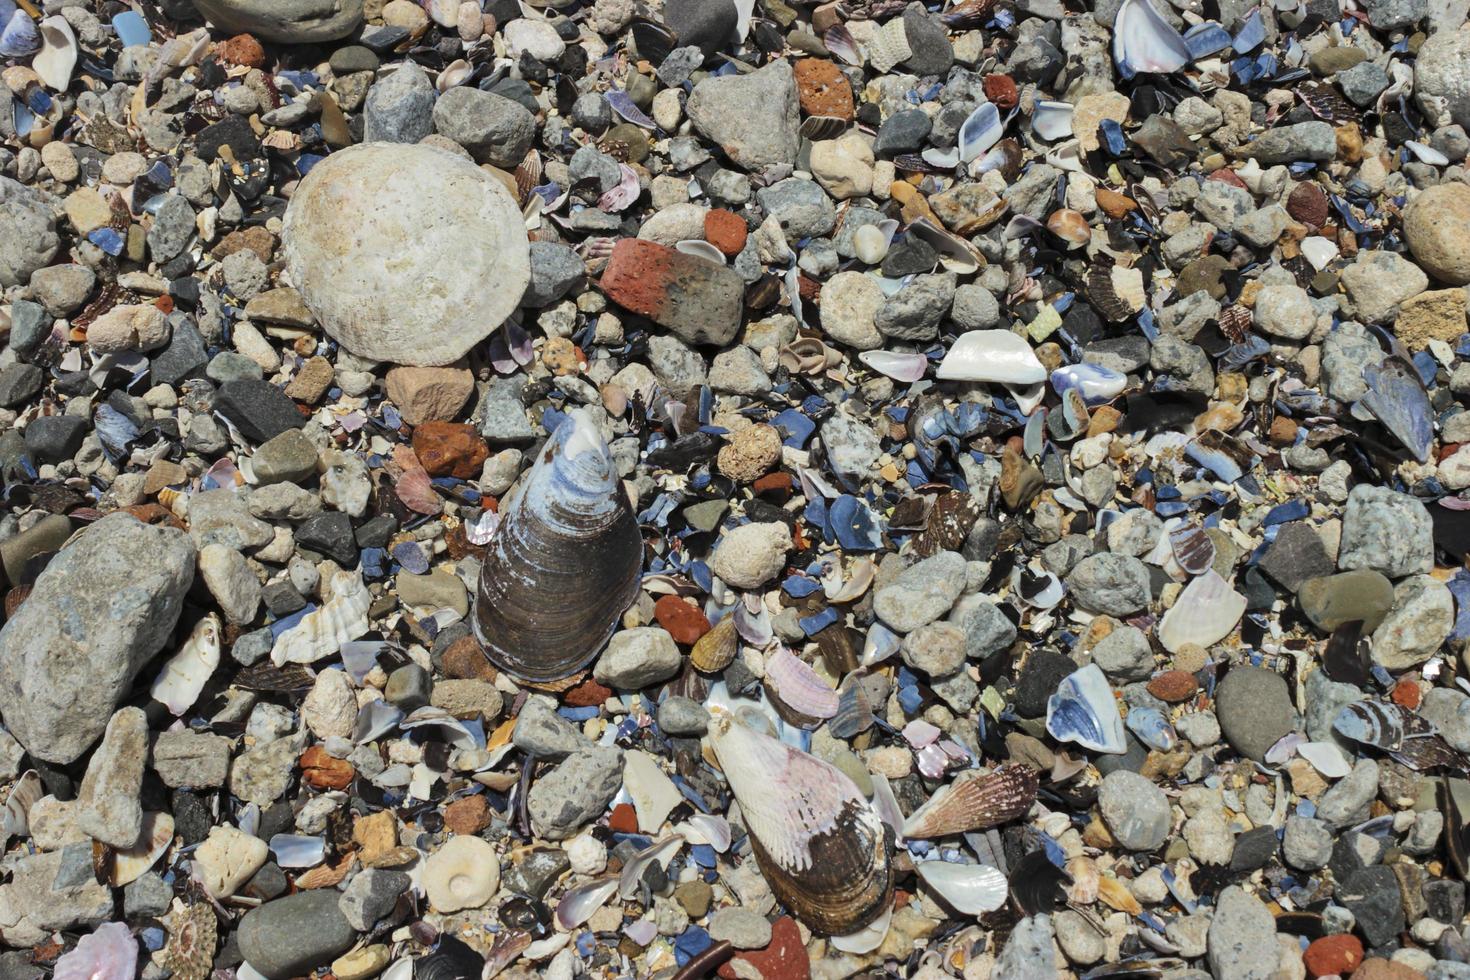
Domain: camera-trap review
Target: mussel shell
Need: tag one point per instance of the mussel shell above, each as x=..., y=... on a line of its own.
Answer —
x=564, y=563
x=452, y=960
x=822, y=847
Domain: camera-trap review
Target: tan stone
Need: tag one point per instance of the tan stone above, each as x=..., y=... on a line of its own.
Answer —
x=426, y=394
x=1091, y=110
x=1438, y=314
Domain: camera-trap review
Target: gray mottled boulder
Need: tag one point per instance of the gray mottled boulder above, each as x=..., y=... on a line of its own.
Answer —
x=753, y=117
x=285, y=21
x=398, y=108
x=27, y=233
x=104, y=606
x=368, y=238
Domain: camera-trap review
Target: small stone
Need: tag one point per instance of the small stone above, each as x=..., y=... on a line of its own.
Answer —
x=1136, y=811
x=371, y=895
x=922, y=593
x=290, y=457
x=1372, y=895
x=1386, y=531
x=1422, y=616
x=108, y=805
x=294, y=935
x=312, y=381
x=752, y=117
x=1242, y=937
x=564, y=800
x=1254, y=708
x=679, y=716
x=1313, y=141
x=1437, y=220
x=636, y=658
x=741, y=927
x=1117, y=585
x=194, y=760
x=449, y=449
x=228, y=858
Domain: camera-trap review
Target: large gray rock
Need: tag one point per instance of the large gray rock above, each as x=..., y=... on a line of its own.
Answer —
x=285, y=21
x=406, y=253
x=493, y=128
x=27, y=233
x=753, y=117
x=398, y=108
x=1442, y=77
x=295, y=934
x=576, y=792
x=1242, y=937
x=100, y=611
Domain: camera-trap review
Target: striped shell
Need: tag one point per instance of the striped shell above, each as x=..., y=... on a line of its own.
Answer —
x=713, y=651
x=564, y=562
x=975, y=801
x=820, y=844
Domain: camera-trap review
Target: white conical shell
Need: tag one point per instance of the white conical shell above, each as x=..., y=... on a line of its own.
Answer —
x=183, y=677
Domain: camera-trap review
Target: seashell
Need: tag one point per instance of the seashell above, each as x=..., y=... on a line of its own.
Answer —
x=1070, y=227
x=821, y=845
x=1036, y=884
x=625, y=193
x=1052, y=120
x=713, y=651
x=1319, y=251
x=20, y=36
x=794, y=685
x=376, y=719
x=970, y=889
x=654, y=795
x=1116, y=895
x=955, y=254
x=855, y=709
x=653, y=41
x=1381, y=724
x=564, y=563
x=1326, y=758
x=298, y=851
x=1006, y=158
x=182, y=679
x=1143, y=41
x=662, y=852
x=823, y=127
x=1193, y=550
x=839, y=40
x=322, y=632
x=157, y=834
x=860, y=577
x=1151, y=728
x=1083, y=711
x=1427, y=154
x=991, y=355
x=58, y=55
x=701, y=249
x=1103, y=293
x=452, y=959
x=1324, y=102
x=981, y=130
x=581, y=903
x=445, y=13
x=1085, y=880
x=456, y=73
x=1095, y=382
x=868, y=938
x=975, y=801
x=1396, y=397
x=109, y=953
x=888, y=46
x=1204, y=613
x=1348, y=656
x=896, y=365
x=23, y=795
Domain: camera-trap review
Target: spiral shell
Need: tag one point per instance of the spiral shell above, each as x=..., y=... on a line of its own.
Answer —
x=564, y=562
x=820, y=844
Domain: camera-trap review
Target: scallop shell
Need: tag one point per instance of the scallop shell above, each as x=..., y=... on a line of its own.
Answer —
x=713, y=651
x=970, y=889
x=564, y=564
x=322, y=632
x=1083, y=711
x=975, y=802
x=182, y=679
x=157, y=834
x=1205, y=613
x=820, y=844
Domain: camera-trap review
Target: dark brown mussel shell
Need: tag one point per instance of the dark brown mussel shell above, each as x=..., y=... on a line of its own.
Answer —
x=564, y=563
x=821, y=845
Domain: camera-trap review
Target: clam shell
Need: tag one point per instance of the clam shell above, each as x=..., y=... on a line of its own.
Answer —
x=1381, y=724
x=564, y=563
x=1192, y=548
x=457, y=73
x=975, y=802
x=1143, y=41
x=182, y=679
x=955, y=254
x=796, y=686
x=1083, y=711
x=1151, y=728
x=820, y=844
x=1205, y=613
x=713, y=651
x=991, y=355
x=322, y=632
x=23, y=795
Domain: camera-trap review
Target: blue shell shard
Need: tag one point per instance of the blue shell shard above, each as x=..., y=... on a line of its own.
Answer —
x=622, y=103
x=1083, y=711
x=131, y=28
x=107, y=239
x=794, y=427
x=20, y=36
x=1093, y=381
x=1143, y=41
x=1398, y=400
x=852, y=524
x=1113, y=141
x=1206, y=39
x=1251, y=34
x=1151, y=728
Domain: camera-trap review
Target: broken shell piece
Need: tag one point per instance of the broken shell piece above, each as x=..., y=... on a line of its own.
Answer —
x=109, y=953
x=1070, y=226
x=971, y=889
x=581, y=903
x=978, y=133
x=820, y=844
x=23, y=795
x=975, y=801
x=869, y=937
x=322, y=632
x=19, y=36
x=565, y=562
x=796, y=687
x=1083, y=711
x=991, y=355
x=654, y=794
x=455, y=73
x=1204, y=613
x=463, y=874
x=955, y=254
x=1326, y=758
x=1052, y=120
x=182, y=679
x=156, y=836
x=58, y=55
x=1143, y=41
x=701, y=249
x=894, y=364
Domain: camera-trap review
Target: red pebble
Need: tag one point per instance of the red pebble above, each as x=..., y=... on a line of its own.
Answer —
x=703, y=300
x=784, y=959
x=450, y=449
x=1001, y=90
x=684, y=622
x=588, y=694
x=725, y=230
x=623, y=819
x=1406, y=694
x=1227, y=176
x=1173, y=686
x=1331, y=955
